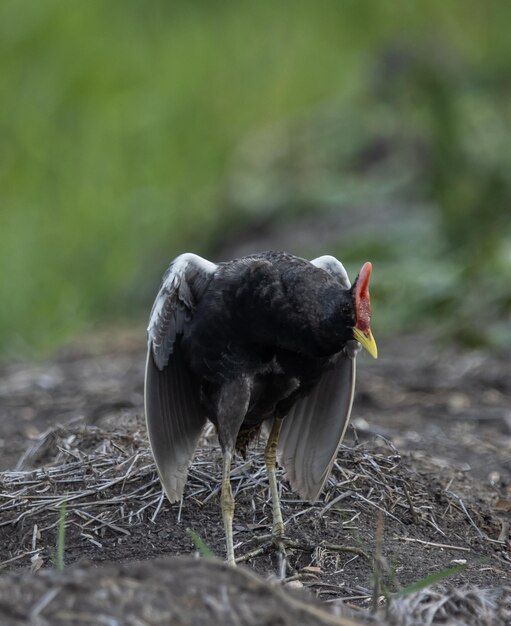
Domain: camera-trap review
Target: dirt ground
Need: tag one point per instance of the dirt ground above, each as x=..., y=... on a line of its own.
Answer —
x=423, y=483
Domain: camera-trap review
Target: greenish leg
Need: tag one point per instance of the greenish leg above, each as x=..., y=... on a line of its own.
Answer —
x=227, y=504
x=270, y=458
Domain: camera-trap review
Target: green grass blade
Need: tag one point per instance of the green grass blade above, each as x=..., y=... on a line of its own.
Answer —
x=203, y=549
x=432, y=579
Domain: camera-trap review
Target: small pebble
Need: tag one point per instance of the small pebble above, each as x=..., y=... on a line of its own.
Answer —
x=294, y=584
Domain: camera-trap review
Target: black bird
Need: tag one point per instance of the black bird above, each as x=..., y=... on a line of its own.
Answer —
x=265, y=338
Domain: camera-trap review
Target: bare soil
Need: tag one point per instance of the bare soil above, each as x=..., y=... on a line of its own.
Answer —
x=423, y=483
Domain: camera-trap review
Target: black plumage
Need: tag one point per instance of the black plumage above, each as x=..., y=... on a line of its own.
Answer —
x=266, y=338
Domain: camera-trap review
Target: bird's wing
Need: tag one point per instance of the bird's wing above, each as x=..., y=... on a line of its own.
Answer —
x=313, y=430
x=335, y=268
x=173, y=414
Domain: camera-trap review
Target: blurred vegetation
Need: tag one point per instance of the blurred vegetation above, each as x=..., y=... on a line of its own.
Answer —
x=120, y=125
x=420, y=181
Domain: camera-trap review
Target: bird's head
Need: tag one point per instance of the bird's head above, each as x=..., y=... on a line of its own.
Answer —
x=362, y=330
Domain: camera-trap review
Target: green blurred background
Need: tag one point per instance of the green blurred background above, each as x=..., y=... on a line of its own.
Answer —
x=131, y=131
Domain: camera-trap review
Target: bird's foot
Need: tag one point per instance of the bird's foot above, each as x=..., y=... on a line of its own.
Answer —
x=275, y=542
x=281, y=544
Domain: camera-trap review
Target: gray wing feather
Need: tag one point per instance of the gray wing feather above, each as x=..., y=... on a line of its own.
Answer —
x=174, y=417
x=174, y=420
x=313, y=430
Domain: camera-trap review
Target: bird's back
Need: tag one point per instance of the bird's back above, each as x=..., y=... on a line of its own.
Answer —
x=257, y=304
x=261, y=317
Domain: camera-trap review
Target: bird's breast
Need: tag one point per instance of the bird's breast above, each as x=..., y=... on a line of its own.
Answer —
x=270, y=386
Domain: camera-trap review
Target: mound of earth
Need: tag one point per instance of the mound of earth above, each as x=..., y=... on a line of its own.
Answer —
x=420, y=491
x=194, y=592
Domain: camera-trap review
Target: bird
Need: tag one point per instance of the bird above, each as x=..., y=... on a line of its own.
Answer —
x=267, y=339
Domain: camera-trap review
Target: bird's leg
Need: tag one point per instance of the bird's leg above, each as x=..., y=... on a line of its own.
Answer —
x=227, y=505
x=270, y=459
x=231, y=407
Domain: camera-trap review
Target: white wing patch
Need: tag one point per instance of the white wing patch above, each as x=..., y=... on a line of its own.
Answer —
x=334, y=267
x=173, y=279
x=185, y=278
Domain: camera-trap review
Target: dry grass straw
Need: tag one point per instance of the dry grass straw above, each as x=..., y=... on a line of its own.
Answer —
x=107, y=480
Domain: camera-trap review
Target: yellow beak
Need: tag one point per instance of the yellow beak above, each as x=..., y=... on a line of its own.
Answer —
x=367, y=341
